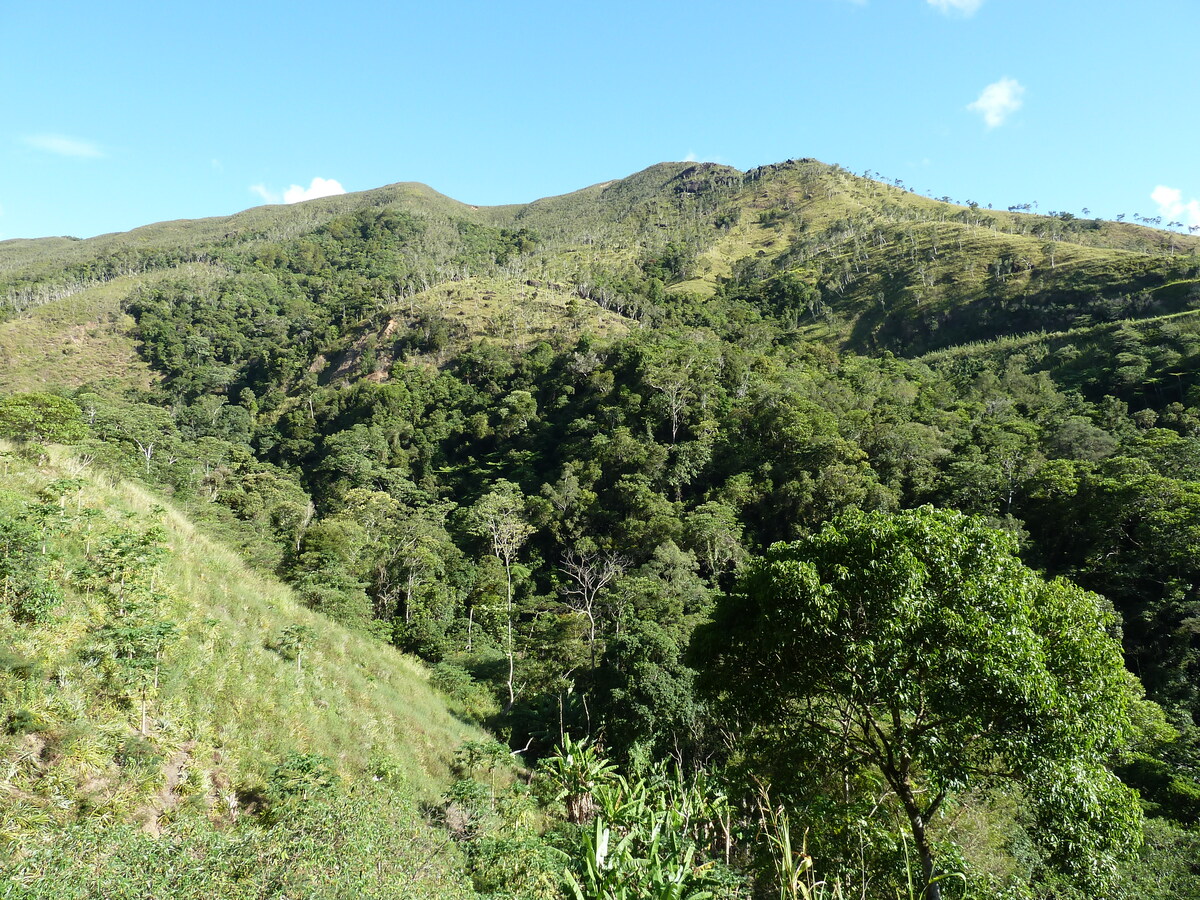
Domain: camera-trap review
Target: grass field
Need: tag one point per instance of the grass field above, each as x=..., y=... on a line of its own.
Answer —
x=72, y=341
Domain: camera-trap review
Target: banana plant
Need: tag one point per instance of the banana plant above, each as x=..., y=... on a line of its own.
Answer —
x=613, y=870
x=576, y=771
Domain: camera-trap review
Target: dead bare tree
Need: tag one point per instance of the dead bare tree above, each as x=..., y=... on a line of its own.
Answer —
x=589, y=572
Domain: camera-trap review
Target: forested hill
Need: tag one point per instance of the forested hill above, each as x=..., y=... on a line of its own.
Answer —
x=860, y=262
x=545, y=447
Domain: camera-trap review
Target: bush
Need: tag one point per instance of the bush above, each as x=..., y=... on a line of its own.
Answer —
x=467, y=697
x=16, y=665
x=301, y=776
x=136, y=752
x=369, y=844
x=35, y=601
x=33, y=452
x=22, y=722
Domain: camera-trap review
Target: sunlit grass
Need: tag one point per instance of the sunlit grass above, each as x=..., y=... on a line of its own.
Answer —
x=69, y=342
x=227, y=707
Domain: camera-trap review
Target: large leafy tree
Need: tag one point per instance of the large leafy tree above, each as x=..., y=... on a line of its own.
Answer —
x=918, y=646
x=40, y=417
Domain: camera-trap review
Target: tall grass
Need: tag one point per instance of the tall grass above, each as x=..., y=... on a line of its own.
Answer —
x=225, y=705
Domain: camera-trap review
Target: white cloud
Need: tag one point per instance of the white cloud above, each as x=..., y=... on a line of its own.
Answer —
x=1171, y=205
x=62, y=145
x=691, y=157
x=267, y=195
x=320, y=187
x=1167, y=198
x=998, y=101
x=956, y=7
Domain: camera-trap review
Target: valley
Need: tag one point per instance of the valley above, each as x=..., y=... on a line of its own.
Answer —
x=384, y=545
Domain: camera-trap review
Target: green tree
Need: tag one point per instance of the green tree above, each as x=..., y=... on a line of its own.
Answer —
x=130, y=643
x=499, y=516
x=330, y=572
x=918, y=646
x=647, y=696
x=714, y=532
x=41, y=417
x=25, y=591
x=292, y=640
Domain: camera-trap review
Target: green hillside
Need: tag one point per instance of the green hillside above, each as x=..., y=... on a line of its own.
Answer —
x=150, y=681
x=863, y=263
x=745, y=508
x=73, y=340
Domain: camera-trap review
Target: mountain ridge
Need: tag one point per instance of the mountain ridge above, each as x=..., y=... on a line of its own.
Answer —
x=536, y=445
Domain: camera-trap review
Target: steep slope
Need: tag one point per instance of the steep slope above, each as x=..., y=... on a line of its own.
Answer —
x=872, y=266
x=1148, y=363
x=149, y=678
x=73, y=340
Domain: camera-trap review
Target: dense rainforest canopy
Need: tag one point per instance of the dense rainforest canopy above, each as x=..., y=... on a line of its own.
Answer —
x=774, y=513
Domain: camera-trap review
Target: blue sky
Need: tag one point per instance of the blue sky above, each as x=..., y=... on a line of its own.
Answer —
x=120, y=114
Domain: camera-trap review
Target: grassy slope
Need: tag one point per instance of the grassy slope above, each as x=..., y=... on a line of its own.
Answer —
x=72, y=341
x=845, y=233
x=502, y=311
x=893, y=265
x=520, y=312
x=229, y=707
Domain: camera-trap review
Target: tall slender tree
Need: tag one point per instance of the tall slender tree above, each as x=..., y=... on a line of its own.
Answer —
x=499, y=516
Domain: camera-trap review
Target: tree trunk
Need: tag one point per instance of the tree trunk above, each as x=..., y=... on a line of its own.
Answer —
x=917, y=821
x=592, y=634
x=933, y=890
x=512, y=694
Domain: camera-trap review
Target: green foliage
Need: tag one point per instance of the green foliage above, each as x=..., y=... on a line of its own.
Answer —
x=534, y=445
x=1165, y=790
x=40, y=417
x=301, y=777
x=291, y=641
x=26, y=591
x=363, y=842
x=22, y=721
x=649, y=702
x=466, y=696
x=618, y=871
x=642, y=837
x=917, y=646
x=574, y=772
x=150, y=746
x=1166, y=867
